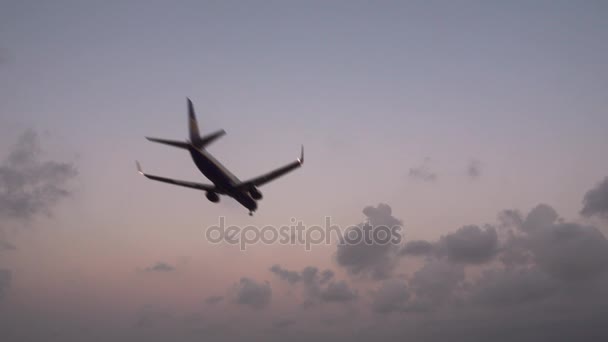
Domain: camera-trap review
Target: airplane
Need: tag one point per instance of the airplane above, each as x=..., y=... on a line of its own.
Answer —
x=224, y=182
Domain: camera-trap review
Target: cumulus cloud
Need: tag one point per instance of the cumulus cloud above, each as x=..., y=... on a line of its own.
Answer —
x=470, y=244
x=28, y=185
x=542, y=216
x=253, y=294
x=370, y=257
x=570, y=251
x=507, y=287
x=595, y=201
x=318, y=287
x=160, y=267
x=5, y=282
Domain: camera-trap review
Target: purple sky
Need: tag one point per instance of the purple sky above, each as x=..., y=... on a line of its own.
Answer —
x=448, y=113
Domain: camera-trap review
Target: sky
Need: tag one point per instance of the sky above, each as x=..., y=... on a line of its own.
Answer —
x=477, y=126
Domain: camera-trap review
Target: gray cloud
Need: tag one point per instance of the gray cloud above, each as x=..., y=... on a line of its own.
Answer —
x=498, y=288
x=150, y=317
x=160, y=267
x=283, y=323
x=370, y=258
x=290, y=276
x=417, y=248
x=542, y=216
x=474, y=169
x=510, y=218
x=5, y=282
x=212, y=300
x=253, y=294
x=470, y=244
x=570, y=251
x=338, y=292
x=565, y=250
x=326, y=276
x=392, y=296
x=7, y=246
x=437, y=281
x=319, y=287
x=595, y=201
x=423, y=172
x=29, y=186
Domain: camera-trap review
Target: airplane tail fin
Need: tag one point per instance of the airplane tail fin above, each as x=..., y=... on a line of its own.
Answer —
x=195, y=137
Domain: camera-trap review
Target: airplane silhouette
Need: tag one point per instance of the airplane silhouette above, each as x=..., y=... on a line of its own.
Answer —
x=224, y=182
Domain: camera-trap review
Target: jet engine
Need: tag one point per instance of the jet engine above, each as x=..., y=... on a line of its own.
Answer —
x=213, y=197
x=255, y=193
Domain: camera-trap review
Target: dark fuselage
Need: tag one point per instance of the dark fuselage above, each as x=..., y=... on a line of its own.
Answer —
x=220, y=177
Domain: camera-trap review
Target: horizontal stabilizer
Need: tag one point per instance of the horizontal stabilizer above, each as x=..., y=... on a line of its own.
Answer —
x=174, y=143
x=209, y=138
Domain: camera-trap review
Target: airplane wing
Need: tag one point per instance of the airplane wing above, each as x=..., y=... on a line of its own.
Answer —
x=272, y=175
x=193, y=185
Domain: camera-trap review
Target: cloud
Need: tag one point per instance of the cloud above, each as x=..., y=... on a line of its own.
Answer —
x=318, y=287
x=417, y=248
x=423, y=172
x=5, y=282
x=474, y=169
x=151, y=317
x=370, y=257
x=7, y=246
x=542, y=216
x=284, y=323
x=507, y=287
x=437, y=281
x=290, y=276
x=29, y=186
x=570, y=251
x=595, y=201
x=470, y=244
x=212, y=300
x=337, y=292
x=160, y=267
x=253, y=294
x=392, y=296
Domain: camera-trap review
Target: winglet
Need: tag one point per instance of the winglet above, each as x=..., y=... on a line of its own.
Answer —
x=301, y=159
x=139, y=168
